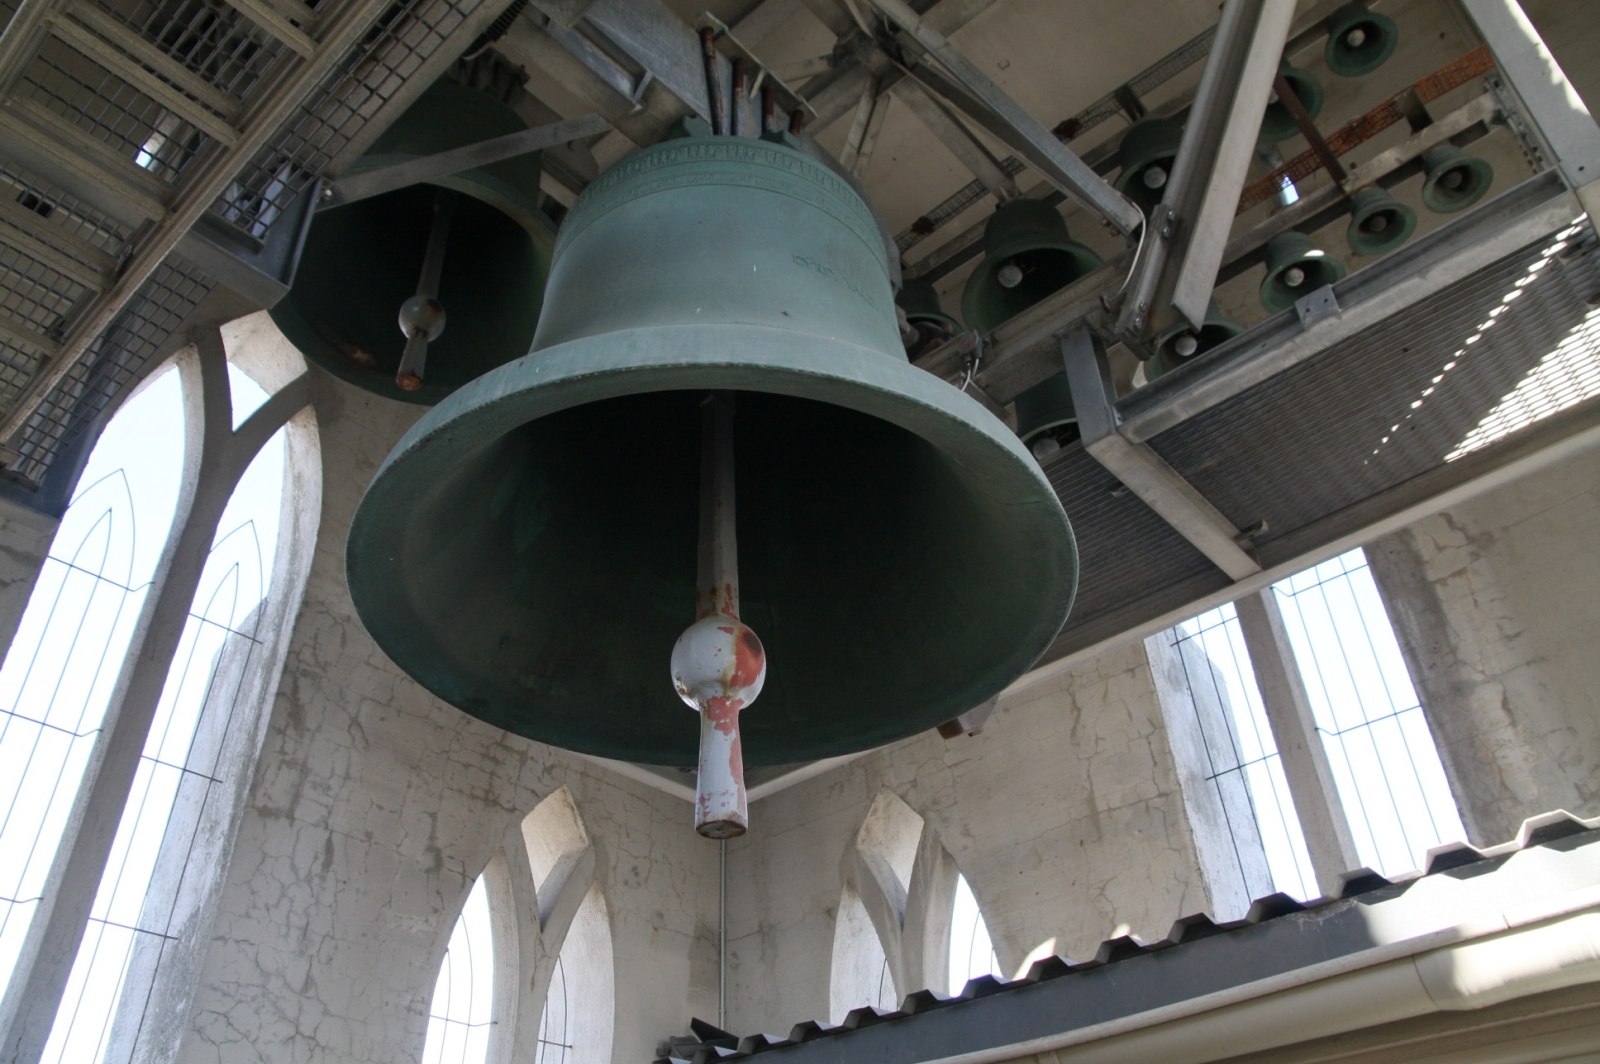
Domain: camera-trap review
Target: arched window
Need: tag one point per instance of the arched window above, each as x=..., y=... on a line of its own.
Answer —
x=971, y=951
x=462, y=1011
x=73, y=671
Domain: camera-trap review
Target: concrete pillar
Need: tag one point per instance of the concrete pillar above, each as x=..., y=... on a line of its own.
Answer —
x=1305, y=760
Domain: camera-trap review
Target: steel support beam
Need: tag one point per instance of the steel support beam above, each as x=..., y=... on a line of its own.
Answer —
x=1182, y=251
x=1139, y=468
x=1547, y=97
x=953, y=135
x=371, y=183
x=1028, y=136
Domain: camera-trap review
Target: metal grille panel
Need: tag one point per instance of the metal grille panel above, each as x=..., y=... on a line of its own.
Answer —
x=394, y=49
x=118, y=359
x=1396, y=400
x=1126, y=553
x=210, y=38
x=101, y=104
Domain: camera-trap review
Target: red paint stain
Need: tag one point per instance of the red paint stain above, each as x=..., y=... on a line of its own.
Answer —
x=723, y=712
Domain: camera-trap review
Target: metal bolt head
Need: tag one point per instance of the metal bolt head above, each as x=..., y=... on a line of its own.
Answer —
x=716, y=658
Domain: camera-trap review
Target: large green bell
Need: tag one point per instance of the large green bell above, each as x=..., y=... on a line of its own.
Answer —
x=1028, y=254
x=1295, y=267
x=1359, y=40
x=528, y=552
x=1455, y=180
x=1145, y=156
x=363, y=261
x=1278, y=124
x=1379, y=223
x=1179, y=343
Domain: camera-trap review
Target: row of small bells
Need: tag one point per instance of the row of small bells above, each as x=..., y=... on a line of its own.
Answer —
x=533, y=548
x=1029, y=254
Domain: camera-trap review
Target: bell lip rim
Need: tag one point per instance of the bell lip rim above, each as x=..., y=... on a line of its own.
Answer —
x=367, y=527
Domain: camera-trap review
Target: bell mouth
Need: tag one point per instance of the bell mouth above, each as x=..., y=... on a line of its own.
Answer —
x=894, y=538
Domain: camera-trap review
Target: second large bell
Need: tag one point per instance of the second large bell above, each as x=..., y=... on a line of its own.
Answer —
x=529, y=550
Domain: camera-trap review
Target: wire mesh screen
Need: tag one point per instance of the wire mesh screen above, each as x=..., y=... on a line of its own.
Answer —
x=116, y=360
x=393, y=49
x=1391, y=783
x=1128, y=557
x=1403, y=397
x=52, y=250
x=1242, y=760
x=210, y=38
x=79, y=91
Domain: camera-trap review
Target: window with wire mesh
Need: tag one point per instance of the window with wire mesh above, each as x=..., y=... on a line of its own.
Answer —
x=461, y=1014
x=1385, y=764
x=1391, y=785
x=971, y=950
x=1242, y=761
x=56, y=684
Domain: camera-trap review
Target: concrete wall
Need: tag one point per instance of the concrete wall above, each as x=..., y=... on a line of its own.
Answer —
x=374, y=807
x=24, y=541
x=1063, y=814
x=1497, y=604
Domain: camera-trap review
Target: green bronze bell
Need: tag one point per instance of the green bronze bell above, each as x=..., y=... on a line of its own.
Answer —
x=1455, y=180
x=1046, y=419
x=932, y=326
x=1028, y=254
x=1278, y=124
x=362, y=261
x=529, y=550
x=1179, y=343
x=1145, y=156
x=1379, y=223
x=1359, y=40
x=1295, y=267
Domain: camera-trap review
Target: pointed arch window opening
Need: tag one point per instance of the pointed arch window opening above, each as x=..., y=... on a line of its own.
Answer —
x=63, y=662
x=131, y=924
x=972, y=952
x=461, y=1013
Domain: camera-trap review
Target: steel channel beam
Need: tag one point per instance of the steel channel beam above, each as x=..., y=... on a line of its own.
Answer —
x=1027, y=135
x=206, y=181
x=273, y=22
x=1536, y=208
x=1203, y=234
x=660, y=42
x=954, y=136
x=1139, y=468
x=1544, y=92
x=371, y=183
